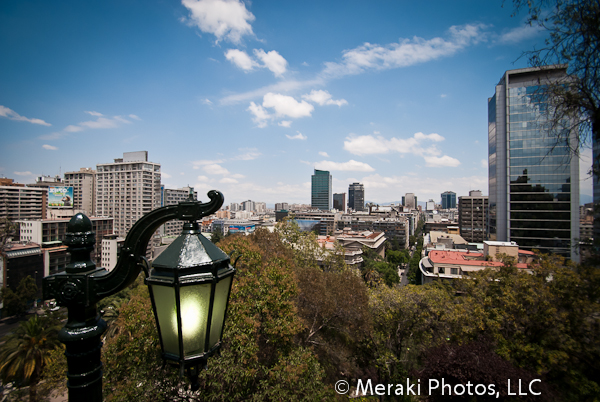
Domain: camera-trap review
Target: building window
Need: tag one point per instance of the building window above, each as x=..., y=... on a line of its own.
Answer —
x=454, y=271
x=441, y=270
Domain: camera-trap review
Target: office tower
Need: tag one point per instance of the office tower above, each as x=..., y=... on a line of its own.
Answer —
x=127, y=189
x=533, y=181
x=339, y=202
x=356, y=197
x=321, y=190
x=472, y=217
x=173, y=197
x=234, y=207
x=409, y=200
x=448, y=200
x=83, y=189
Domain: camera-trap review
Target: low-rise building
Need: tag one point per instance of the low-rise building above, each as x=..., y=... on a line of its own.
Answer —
x=454, y=264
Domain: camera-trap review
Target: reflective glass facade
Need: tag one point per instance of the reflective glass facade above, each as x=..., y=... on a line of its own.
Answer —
x=533, y=181
x=321, y=190
x=448, y=200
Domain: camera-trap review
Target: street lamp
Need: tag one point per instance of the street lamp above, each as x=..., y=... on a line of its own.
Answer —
x=189, y=286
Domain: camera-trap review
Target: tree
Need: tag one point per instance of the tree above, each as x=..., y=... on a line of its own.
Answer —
x=27, y=351
x=17, y=303
x=546, y=321
x=573, y=39
x=259, y=358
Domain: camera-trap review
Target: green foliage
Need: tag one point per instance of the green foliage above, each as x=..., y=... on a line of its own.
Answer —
x=547, y=321
x=17, y=303
x=216, y=236
x=259, y=358
x=27, y=351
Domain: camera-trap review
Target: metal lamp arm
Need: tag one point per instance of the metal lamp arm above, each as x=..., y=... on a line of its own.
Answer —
x=134, y=248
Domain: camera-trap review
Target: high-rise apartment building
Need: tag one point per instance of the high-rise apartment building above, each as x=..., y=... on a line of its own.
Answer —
x=248, y=205
x=448, y=200
x=472, y=217
x=356, y=197
x=83, y=189
x=320, y=196
x=410, y=201
x=172, y=197
x=281, y=206
x=127, y=189
x=339, y=202
x=533, y=181
x=20, y=202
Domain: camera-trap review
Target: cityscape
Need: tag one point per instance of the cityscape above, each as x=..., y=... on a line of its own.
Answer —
x=401, y=201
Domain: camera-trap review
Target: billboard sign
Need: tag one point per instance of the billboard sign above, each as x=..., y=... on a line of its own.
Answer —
x=60, y=197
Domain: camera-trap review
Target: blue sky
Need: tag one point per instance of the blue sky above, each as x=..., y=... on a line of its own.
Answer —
x=249, y=98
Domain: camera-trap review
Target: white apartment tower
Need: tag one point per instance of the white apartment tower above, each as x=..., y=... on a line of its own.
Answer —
x=172, y=197
x=127, y=189
x=83, y=189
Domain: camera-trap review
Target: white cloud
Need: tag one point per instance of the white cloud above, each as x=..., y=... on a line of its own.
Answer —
x=73, y=129
x=520, y=34
x=441, y=161
x=52, y=136
x=27, y=173
x=49, y=147
x=324, y=154
x=12, y=115
x=369, y=144
x=248, y=154
x=215, y=169
x=287, y=106
x=204, y=162
x=240, y=59
x=415, y=145
x=484, y=163
x=407, y=52
x=165, y=175
x=261, y=116
x=207, y=101
x=100, y=123
x=272, y=60
x=351, y=165
x=202, y=178
x=443, y=96
x=285, y=123
x=226, y=19
x=323, y=98
x=280, y=86
x=298, y=136
x=228, y=180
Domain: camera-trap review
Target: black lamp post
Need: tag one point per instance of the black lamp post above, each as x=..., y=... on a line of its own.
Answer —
x=189, y=287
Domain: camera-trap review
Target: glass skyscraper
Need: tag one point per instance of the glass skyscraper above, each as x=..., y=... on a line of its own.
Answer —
x=320, y=195
x=448, y=199
x=356, y=197
x=533, y=180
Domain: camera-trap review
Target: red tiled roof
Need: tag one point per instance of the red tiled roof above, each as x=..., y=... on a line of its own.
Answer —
x=460, y=258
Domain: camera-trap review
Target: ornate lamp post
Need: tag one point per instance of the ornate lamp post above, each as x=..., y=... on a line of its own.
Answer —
x=189, y=286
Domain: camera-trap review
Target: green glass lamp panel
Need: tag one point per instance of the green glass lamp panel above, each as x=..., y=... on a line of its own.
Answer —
x=219, y=307
x=195, y=303
x=166, y=313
